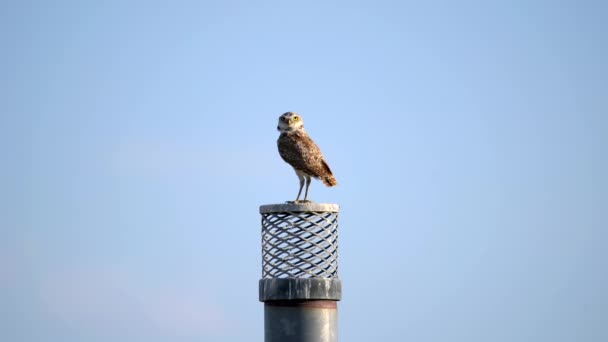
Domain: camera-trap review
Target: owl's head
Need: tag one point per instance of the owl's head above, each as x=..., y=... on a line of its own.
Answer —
x=290, y=122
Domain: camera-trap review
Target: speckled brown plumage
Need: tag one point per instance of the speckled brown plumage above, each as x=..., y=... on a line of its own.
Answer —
x=299, y=151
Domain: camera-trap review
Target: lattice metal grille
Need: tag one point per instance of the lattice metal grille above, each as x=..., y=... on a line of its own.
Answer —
x=300, y=245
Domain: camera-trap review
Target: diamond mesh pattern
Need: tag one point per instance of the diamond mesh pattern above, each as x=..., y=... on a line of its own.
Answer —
x=300, y=245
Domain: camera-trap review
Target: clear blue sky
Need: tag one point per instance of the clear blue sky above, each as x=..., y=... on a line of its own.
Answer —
x=469, y=141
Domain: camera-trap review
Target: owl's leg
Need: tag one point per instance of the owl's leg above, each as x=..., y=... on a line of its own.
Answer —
x=308, y=179
x=301, y=186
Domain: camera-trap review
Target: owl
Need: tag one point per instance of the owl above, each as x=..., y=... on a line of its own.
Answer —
x=299, y=151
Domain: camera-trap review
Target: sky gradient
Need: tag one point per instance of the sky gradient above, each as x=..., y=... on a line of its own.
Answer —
x=469, y=140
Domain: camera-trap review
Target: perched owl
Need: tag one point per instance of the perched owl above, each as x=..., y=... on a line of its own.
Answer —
x=299, y=151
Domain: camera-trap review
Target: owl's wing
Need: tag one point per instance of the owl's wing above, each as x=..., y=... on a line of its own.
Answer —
x=302, y=153
x=326, y=167
x=292, y=151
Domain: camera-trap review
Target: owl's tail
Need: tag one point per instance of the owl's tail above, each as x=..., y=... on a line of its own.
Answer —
x=329, y=181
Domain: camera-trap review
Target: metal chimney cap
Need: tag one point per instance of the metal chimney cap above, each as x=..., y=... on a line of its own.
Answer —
x=299, y=207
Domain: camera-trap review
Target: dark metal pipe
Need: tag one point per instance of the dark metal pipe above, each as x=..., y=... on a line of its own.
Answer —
x=301, y=321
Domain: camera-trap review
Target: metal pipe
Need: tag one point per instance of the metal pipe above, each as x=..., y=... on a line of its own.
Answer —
x=300, y=286
x=301, y=321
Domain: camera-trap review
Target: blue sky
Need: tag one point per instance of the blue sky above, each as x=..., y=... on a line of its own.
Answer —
x=468, y=138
